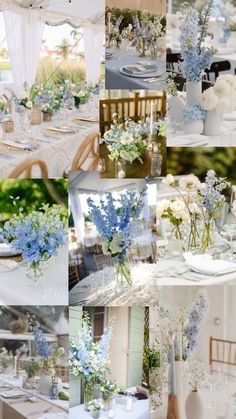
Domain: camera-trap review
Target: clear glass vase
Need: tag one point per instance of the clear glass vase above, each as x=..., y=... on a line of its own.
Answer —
x=120, y=169
x=35, y=272
x=107, y=403
x=208, y=232
x=122, y=271
x=88, y=395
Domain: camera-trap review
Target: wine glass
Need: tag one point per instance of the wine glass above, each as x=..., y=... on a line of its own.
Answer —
x=214, y=377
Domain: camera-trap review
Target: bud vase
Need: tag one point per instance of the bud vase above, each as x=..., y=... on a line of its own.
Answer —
x=193, y=92
x=88, y=395
x=208, y=231
x=107, y=404
x=212, y=124
x=194, y=406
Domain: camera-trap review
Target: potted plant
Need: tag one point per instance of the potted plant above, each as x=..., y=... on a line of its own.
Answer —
x=94, y=407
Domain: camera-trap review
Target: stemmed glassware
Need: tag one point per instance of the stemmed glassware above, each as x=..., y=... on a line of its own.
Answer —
x=214, y=378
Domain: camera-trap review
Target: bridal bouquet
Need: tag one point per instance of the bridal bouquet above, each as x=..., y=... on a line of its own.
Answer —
x=125, y=141
x=37, y=236
x=193, y=31
x=186, y=323
x=112, y=219
x=88, y=359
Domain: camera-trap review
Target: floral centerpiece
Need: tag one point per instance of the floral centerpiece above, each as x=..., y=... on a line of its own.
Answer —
x=27, y=97
x=125, y=141
x=193, y=117
x=113, y=32
x=108, y=390
x=147, y=32
x=175, y=212
x=112, y=219
x=37, y=236
x=196, y=58
x=89, y=359
x=196, y=373
x=49, y=356
x=95, y=407
x=202, y=201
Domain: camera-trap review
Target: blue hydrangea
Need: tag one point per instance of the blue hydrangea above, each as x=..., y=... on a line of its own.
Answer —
x=193, y=113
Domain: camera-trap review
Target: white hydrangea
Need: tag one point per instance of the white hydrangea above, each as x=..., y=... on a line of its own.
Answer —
x=209, y=100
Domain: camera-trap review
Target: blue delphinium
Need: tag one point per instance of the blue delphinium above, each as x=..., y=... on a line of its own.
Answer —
x=193, y=113
x=195, y=319
x=212, y=198
x=112, y=219
x=89, y=359
x=42, y=346
x=195, y=57
x=37, y=236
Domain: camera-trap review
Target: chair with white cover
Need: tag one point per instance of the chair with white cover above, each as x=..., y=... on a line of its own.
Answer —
x=25, y=169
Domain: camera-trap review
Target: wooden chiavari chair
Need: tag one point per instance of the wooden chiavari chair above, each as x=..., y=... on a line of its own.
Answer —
x=216, y=68
x=136, y=108
x=87, y=155
x=26, y=167
x=172, y=61
x=102, y=260
x=222, y=352
x=73, y=274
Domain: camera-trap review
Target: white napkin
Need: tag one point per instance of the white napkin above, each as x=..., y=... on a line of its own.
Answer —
x=206, y=265
x=22, y=145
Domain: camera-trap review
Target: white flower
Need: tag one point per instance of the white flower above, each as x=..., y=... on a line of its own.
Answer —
x=23, y=94
x=29, y=104
x=60, y=351
x=126, y=138
x=189, y=182
x=177, y=205
x=194, y=208
x=209, y=100
x=222, y=88
x=52, y=372
x=230, y=79
x=225, y=105
x=169, y=179
x=161, y=207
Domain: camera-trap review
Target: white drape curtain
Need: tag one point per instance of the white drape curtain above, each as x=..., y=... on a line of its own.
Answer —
x=24, y=37
x=93, y=46
x=77, y=214
x=145, y=211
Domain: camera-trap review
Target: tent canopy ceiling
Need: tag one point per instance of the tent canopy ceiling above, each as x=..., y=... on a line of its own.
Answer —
x=76, y=9
x=91, y=183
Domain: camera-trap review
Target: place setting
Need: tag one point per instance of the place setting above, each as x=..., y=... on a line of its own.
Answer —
x=33, y=366
x=135, y=47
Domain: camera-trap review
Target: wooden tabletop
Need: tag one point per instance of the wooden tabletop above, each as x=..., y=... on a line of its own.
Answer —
x=134, y=170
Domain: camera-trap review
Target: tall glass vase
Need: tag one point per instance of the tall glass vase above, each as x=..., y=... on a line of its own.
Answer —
x=122, y=271
x=193, y=92
x=88, y=395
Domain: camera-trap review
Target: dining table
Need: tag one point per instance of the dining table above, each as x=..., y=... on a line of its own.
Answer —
x=51, y=288
x=140, y=411
x=30, y=404
x=55, y=142
x=100, y=287
x=116, y=78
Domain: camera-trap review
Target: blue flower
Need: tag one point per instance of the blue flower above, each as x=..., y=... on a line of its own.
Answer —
x=193, y=113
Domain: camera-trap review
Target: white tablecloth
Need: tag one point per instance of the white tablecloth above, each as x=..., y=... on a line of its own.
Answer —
x=117, y=80
x=140, y=411
x=18, y=289
x=58, y=152
x=100, y=287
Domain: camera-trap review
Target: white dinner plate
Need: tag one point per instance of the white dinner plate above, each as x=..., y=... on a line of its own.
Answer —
x=15, y=392
x=7, y=250
x=7, y=265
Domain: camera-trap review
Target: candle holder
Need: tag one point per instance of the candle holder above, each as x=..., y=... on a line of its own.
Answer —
x=120, y=170
x=144, y=46
x=129, y=403
x=156, y=162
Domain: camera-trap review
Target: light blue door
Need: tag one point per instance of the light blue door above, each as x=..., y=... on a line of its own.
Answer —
x=135, y=346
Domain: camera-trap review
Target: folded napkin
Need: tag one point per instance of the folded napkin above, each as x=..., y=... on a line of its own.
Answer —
x=5, y=248
x=64, y=130
x=22, y=145
x=88, y=118
x=139, y=69
x=204, y=264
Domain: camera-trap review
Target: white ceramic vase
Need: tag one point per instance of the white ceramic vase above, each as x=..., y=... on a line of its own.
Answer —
x=45, y=384
x=194, y=406
x=193, y=92
x=175, y=107
x=193, y=127
x=212, y=123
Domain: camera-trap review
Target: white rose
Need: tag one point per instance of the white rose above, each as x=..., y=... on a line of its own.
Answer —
x=222, y=88
x=189, y=182
x=169, y=179
x=177, y=206
x=29, y=104
x=161, y=207
x=225, y=105
x=209, y=100
x=60, y=351
x=23, y=94
x=230, y=79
